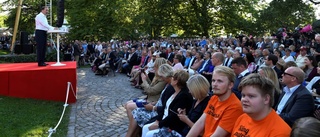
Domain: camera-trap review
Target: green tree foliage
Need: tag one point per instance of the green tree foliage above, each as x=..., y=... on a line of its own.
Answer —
x=132, y=19
x=2, y=18
x=29, y=10
x=284, y=13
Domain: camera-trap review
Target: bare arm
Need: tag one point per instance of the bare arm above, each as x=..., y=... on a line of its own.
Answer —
x=198, y=127
x=220, y=132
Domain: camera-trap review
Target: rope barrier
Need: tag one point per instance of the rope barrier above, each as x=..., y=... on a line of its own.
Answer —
x=53, y=130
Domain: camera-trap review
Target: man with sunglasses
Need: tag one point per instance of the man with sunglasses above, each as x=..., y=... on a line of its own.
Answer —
x=295, y=101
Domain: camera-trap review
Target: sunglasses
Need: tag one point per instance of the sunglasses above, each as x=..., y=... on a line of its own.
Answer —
x=285, y=73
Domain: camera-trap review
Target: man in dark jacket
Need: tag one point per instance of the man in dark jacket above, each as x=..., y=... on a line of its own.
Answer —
x=76, y=52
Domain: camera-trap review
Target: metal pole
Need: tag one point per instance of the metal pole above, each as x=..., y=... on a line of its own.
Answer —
x=16, y=25
x=51, y=17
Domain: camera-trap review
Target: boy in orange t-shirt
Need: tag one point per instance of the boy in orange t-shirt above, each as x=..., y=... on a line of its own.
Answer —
x=222, y=110
x=259, y=120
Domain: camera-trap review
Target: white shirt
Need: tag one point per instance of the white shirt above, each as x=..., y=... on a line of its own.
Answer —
x=243, y=73
x=259, y=44
x=289, y=58
x=300, y=61
x=177, y=66
x=286, y=96
x=42, y=22
x=99, y=47
x=191, y=60
x=310, y=84
x=166, y=109
x=150, y=66
x=229, y=61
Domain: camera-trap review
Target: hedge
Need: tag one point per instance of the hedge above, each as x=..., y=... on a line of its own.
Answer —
x=23, y=58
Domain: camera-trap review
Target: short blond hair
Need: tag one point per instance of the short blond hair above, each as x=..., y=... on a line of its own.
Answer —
x=226, y=71
x=272, y=75
x=165, y=70
x=198, y=86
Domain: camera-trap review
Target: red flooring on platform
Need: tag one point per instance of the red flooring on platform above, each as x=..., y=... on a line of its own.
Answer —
x=27, y=80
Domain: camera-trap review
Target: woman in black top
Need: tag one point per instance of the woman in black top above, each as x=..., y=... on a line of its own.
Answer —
x=181, y=98
x=198, y=87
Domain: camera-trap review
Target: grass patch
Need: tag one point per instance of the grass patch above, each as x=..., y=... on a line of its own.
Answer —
x=28, y=117
x=4, y=52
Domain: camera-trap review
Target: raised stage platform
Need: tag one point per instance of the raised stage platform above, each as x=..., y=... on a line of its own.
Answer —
x=27, y=80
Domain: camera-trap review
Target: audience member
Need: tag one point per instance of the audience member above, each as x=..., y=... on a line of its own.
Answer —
x=198, y=87
x=306, y=127
x=177, y=62
x=193, y=58
x=181, y=98
x=156, y=85
x=170, y=55
x=288, y=56
x=280, y=62
x=252, y=67
x=301, y=57
x=259, y=120
x=239, y=66
x=197, y=63
x=228, y=58
x=271, y=61
x=296, y=101
x=311, y=68
x=131, y=61
x=314, y=84
x=188, y=58
x=223, y=108
x=140, y=116
x=206, y=63
x=272, y=75
x=316, y=53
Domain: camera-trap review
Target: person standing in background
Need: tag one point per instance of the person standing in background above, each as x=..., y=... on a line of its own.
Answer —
x=42, y=27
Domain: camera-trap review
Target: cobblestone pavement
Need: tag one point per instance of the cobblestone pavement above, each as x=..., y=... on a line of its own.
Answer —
x=99, y=110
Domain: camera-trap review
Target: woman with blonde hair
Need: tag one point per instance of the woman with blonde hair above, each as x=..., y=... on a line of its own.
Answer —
x=271, y=74
x=198, y=86
x=163, y=74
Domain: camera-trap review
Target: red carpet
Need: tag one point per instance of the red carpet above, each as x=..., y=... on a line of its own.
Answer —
x=27, y=80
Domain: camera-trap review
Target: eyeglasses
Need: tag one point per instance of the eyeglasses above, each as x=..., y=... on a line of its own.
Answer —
x=285, y=73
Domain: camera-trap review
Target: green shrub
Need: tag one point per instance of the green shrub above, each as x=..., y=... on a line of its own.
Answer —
x=50, y=57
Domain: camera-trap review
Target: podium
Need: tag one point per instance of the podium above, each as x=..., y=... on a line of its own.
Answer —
x=58, y=32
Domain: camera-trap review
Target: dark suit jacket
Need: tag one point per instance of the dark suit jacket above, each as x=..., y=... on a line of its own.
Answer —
x=278, y=71
x=126, y=55
x=164, y=97
x=133, y=59
x=204, y=67
x=182, y=100
x=300, y=104
x=76, y=50
x=170, y=57
x=113, y=58
x=235, y=89
x=183, y=60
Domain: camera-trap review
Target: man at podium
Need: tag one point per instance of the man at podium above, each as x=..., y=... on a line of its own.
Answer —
x=42, y=27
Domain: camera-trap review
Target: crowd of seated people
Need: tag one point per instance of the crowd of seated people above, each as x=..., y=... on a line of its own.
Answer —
x=226, y=63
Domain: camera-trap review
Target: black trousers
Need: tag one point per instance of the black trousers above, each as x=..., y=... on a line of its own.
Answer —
x=41, y=39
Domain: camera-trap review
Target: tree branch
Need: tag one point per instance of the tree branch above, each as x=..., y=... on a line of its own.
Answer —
x=314, y=2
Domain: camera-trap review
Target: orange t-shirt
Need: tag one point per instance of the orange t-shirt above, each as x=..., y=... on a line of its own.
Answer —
x=270, y=126
x=223, y=114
